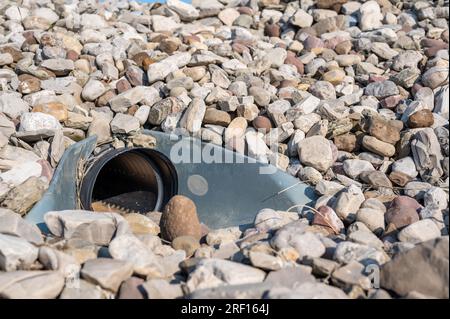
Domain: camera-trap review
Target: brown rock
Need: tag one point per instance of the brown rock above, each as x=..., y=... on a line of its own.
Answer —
x=56, y=109
x=402, y=212
x=262, y=123
x=169, y=45
x=187, y=243
x=216, y=117
x=330, y=4
x=104, y=99
x=16, y=54
x=343, y=47
x=400, y=178
x=28, y=84
x=422, y=118
x=21, y=198
x=385, y=131
x=272, y=30
x=345, y=142
x=139, y=58
x=180, y=219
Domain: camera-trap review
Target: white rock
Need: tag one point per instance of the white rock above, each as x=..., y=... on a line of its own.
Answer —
x=12, y=105
x=406, y=166
x=38, y=121
x=348, y=203
x=186, y=11
x=124, y=123
x=216, y=272
x=21, y=172
x=316, y=151
x=223, y=235
x=302, y=19
x=132, y=250
x=372, y=218
x=436, y=196
x=370, y=16
x=92, y=90
x=269, y=220
x=161, y=23
x=354, y=167
x=419, y=232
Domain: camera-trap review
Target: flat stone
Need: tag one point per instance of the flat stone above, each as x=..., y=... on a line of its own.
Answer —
x=106, y=272
x=90, y=226
x=12, y=224
x=31, y=284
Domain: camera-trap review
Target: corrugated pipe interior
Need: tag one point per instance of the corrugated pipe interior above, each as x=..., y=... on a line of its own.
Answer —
x=136, y=180
x=228, y=188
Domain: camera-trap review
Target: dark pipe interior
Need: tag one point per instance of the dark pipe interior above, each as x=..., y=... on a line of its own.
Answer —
x=127, y=181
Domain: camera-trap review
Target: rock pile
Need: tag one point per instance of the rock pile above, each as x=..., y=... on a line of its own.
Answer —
x=351, y=97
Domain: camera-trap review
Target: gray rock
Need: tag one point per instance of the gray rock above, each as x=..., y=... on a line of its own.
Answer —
x=106, y=272
x=211, y=273
x=12, y=224
x=347, y=251
x=129, y=248
x=307, y=291
x=124, y=124
x=93, y=227
x=162, y=289
x=429, y=259
x=16, y=253
x=31, y=284
x=381, y=89
x=159, y=71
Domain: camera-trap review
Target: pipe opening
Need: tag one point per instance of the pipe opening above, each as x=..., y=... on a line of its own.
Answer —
x=129, y=180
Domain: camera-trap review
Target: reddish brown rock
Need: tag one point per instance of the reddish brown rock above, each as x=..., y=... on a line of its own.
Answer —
x=104, y=99
x=72, y=55
x=180, y=219
x=391, y=102
x=272, y=30
x=262, y=123
x=402, y=212
x=245, y=10
x=422, y=118
x=292, y=59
